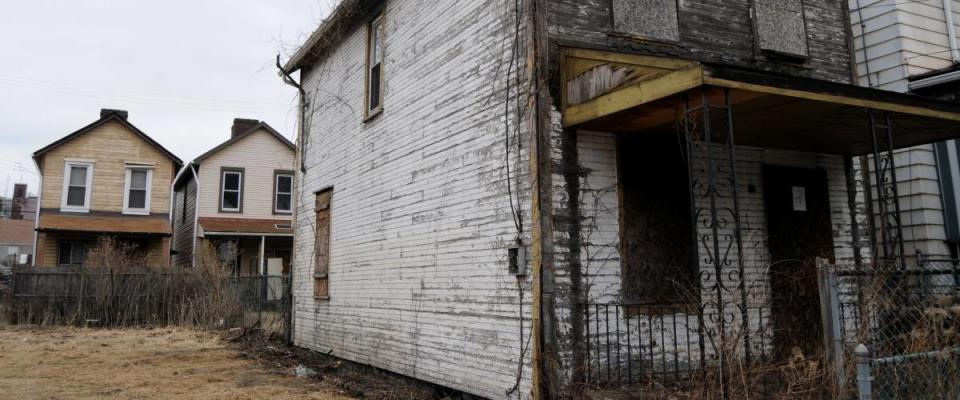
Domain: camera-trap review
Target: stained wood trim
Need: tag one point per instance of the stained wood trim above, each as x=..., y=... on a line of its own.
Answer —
x=834, y=98
x=635, y=94
x=622, y=58
x=368, y=113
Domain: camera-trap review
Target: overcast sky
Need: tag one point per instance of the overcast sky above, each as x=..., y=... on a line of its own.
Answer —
x=182, y=68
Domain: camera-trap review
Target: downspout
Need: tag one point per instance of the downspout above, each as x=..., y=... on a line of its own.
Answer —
x=196, y=212
x=298, y=171
x=36, y=215
x=951, y=31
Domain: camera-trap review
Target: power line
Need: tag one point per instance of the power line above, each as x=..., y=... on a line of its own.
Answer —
x=215, y=104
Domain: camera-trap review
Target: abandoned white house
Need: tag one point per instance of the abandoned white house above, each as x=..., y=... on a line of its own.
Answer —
x=672, y=175
x=237, y=199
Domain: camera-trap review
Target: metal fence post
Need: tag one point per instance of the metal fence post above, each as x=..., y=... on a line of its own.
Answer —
x=830, y=317
x=864, y=379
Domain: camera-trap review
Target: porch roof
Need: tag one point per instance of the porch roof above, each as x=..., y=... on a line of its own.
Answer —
x=105, y=224
x=632, y=93
x=239, y=226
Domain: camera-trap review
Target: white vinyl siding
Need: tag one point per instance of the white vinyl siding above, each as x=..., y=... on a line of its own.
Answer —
x=260, y=155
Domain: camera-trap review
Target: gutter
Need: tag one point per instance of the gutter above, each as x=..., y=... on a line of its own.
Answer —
x=196, y=212
x=935, y=80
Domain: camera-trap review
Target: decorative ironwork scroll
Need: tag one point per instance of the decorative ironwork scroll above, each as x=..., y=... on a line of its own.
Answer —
x=885, y=174
x=715, y=210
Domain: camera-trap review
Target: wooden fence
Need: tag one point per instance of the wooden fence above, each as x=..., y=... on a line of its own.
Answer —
x=143, y=297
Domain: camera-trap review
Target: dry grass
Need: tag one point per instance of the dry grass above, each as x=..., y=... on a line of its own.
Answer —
x=74, y=363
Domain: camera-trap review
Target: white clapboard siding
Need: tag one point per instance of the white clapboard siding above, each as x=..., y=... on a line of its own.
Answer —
x=420, y=216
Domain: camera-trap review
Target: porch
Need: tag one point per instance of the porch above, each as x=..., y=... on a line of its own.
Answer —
x=708, y=194
x=252, y=255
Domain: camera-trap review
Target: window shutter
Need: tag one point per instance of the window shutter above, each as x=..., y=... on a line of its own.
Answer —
x=321, y=248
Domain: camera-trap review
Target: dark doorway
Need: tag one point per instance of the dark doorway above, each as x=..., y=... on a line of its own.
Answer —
x=798, y=230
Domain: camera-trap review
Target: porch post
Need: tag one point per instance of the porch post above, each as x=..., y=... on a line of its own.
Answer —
x=261, y=264
x=851, y=175
x=711, y=158
x=884, y=169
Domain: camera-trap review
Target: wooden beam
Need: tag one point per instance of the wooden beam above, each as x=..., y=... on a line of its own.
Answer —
x=833, y=98
x=637, y=94
x=629, y=59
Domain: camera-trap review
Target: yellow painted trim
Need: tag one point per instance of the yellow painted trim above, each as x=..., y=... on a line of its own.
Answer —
x=636, y=94
x=832, y=98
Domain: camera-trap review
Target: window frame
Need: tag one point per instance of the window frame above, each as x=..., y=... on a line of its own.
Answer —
x=378, y=21
x=73, y=244
x=276, y=190
x=88, y=186
x=127, y=183
x=223, y=173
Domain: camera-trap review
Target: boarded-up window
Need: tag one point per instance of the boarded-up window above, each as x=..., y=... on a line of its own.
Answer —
x=657, y=253
x=781, y=27
x=321, y=247
x=651, y=19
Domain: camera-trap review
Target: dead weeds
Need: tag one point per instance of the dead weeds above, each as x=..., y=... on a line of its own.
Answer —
x=75, y=363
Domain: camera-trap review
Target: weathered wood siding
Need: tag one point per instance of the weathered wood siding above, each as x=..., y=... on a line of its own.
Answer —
x=259, y=154
x=718, y=31
x=893, y=41
x=184, y=221
x=420, y=215
x=110, y=145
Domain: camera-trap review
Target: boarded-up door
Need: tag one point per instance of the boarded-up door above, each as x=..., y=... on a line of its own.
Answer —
x=799, y=230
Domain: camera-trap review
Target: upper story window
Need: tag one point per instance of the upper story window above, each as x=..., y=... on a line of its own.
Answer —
x=231, y=190
x=77, y=180
x=136, y=190
x=649, y=19
x=781, y=27
x=374, y=68
x=282, y=192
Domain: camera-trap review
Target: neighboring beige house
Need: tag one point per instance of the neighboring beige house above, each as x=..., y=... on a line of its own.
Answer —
x=117, y=184
x=238, y=197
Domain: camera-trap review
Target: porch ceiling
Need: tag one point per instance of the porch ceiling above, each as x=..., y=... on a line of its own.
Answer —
x=631, y=94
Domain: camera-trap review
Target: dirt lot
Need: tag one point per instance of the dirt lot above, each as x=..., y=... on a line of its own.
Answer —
x=71, y=363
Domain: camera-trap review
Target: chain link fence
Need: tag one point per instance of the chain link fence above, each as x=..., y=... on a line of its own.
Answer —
x=908, y=321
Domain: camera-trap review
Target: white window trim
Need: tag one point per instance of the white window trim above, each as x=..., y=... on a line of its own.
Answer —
x=276, y=193
x=223, y=186
x=88, y=186
x=126, y=190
